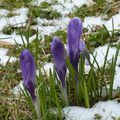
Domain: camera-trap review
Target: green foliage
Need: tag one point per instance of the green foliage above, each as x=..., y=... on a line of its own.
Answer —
x=88, y=91
x=99, y=8
x=7, y=30
x=85, y=11
x=43, y=11
x=100, y=1
x=11, y=14
x=99, y=38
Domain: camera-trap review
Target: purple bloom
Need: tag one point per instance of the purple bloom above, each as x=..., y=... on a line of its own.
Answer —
x=28, y=72
x=58, y=54
x=75, y=46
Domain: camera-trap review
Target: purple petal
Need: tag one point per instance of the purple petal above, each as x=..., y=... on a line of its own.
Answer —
x=58, y=54
x=74, y=44
x=81, y=46
x=28, y=71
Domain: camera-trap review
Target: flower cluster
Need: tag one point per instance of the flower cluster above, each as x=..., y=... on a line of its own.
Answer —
x=75, y=47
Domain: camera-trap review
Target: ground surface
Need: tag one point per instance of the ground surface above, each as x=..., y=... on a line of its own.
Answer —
x=22, y=21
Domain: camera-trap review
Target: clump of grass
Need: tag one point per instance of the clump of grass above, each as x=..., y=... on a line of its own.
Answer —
x=45, y=5
x=100, y=1
x=7, y=30
x=43, y=11
x=11, y=14
x=101, y=36
x=99, y=8
x=24, y=31
x=13, y=4
x=98, y=38
x=84, y=11
x=20, y=31
x=11, y=108
x=98, y=117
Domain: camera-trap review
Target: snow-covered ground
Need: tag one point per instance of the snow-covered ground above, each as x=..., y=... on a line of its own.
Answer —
x=64, y=7
x=4, y=58
x=108, y=110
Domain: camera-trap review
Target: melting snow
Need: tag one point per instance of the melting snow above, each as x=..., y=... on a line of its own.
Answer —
x=14, y=38
x=17, y=21
x=52, y=25
x=4, y=58
x=104, y=110
x=91, y=22
x=3, y=12
x=46, y=68
x=17, y=89
x=67, y=6
x=100, y=53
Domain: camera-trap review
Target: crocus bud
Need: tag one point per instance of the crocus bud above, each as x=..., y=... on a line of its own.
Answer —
x=28, y=69
x=74, y=44
x=58, y=53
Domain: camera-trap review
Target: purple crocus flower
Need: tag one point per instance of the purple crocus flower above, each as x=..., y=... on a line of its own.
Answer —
x=75, y=46
x=28, y=69
x=58, y=54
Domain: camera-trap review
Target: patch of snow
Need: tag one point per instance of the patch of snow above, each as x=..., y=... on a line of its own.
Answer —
x=67, y=6
x=46, y=68
x=106, y=110
x=64, y=8
x=17, y=21
x=3, y=12
x=51, y=25
x=100, y=53
x=14, y=38
x=4, y=58
x=109, y=0
x=116, y=22
x=3, y=51
x=17, y=89
x=91, y=22
x=116, y=83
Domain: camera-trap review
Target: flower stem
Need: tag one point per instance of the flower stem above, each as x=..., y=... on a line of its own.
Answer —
x=64, y=92
x=37, y=109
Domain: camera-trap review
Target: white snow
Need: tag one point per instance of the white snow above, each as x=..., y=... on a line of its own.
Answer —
x=17, y=21
x=51, y=25
x=67, y=6
x=14, y=38
x=17, y=89
x=20, y=19
x=46, y=68
x=91, y=22
x=116, y=83
x=116, y=22
x=3, y=12
x=106, y=110
x=4, y=58
x=101, y=52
